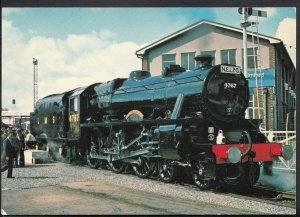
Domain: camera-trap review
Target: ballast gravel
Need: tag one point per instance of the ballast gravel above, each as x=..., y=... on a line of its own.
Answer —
x=38, y=175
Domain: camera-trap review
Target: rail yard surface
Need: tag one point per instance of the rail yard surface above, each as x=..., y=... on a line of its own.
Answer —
x=58, y=188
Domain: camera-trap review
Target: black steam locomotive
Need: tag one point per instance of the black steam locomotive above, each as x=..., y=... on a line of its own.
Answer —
x=159, y=125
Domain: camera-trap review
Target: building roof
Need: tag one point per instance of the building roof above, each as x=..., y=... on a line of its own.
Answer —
x=201, y=22
x=14, y=113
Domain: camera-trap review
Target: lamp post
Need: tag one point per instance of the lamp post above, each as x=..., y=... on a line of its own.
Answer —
x=246, y=12
x=244, y=25
x=35, y=81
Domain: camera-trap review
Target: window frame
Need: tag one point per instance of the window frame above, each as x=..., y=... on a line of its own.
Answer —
x=189, y=59
x=254, y=56
x=228, y=56
x=254, y=108
x=167, y=61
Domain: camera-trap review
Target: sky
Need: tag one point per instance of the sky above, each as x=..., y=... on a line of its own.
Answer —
x=80, y=46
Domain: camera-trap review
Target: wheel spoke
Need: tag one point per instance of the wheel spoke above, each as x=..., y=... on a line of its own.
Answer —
x=94, y=149
x=143, y=170
x=116, y=166
x=167, y=171
x=199, y=176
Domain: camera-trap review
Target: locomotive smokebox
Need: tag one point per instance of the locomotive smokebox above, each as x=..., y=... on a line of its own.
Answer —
x=204, y=61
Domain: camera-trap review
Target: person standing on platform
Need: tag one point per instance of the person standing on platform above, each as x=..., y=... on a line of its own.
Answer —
x=30, y=140
x=21, y=140
x=16, y=145
x=8, y=152
x=3, y=137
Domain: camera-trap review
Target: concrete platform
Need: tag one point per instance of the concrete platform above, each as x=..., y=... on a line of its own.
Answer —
x=36, y=156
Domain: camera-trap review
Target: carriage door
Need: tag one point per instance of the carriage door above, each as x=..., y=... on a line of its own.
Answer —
x=74, y=116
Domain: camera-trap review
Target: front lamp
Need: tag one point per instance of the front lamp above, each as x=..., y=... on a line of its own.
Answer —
x=287, y=152
x=234, y=155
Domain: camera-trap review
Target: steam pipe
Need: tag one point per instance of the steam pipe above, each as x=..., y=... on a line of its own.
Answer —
x=250, y=143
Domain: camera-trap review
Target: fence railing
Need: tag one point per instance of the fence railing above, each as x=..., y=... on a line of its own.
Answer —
x=285, y=138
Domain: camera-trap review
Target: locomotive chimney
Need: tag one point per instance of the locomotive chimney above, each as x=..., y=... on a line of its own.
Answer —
x=204, y=61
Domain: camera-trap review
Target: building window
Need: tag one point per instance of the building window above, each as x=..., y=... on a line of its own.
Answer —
x=255, y=112
x=250, y=108
x=167, y=60
x=282, y=82
x=187, y=61
x=228, y=56
x=252, y=57
x=212, y=53
x=284, y=113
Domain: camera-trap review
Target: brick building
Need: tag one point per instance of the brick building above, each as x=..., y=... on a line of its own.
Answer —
x=273, y=100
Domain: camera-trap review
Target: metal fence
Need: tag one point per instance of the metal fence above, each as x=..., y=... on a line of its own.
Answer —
x=285, y=138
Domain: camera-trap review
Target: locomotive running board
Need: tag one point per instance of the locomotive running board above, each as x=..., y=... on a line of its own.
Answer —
x=145, y=122
x=130, y=154
x=122, y=155
x=100, y=157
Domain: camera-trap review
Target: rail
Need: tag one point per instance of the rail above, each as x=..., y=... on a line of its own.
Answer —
x=285, y=138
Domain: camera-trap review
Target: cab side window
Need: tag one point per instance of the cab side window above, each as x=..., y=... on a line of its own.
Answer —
x=74, y=104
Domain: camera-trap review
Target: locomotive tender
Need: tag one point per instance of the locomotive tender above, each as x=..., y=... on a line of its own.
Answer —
x=161, y=124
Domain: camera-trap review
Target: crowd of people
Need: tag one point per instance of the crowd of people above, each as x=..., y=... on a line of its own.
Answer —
x=14, y=142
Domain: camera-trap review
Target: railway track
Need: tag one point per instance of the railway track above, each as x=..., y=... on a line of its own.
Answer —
x=261, y=192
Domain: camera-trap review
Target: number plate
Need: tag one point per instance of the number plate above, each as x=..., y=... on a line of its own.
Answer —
x=230, y=69
x=229, y=85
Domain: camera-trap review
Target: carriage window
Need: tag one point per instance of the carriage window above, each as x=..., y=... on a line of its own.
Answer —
x=187, y=61
x=228, y=56
x=167, y=60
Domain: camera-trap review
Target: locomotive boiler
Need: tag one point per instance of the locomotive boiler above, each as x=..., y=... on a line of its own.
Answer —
x=191, y=120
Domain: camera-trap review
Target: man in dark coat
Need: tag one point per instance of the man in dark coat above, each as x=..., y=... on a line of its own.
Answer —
x=16, y=144
x=8, y=152
x=21, y=139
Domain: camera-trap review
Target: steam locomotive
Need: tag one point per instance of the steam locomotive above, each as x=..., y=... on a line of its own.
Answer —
x=191, y=120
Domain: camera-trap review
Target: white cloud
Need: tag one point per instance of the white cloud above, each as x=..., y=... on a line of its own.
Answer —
x=7, y=11
x=287, y=33
x=78, y=60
